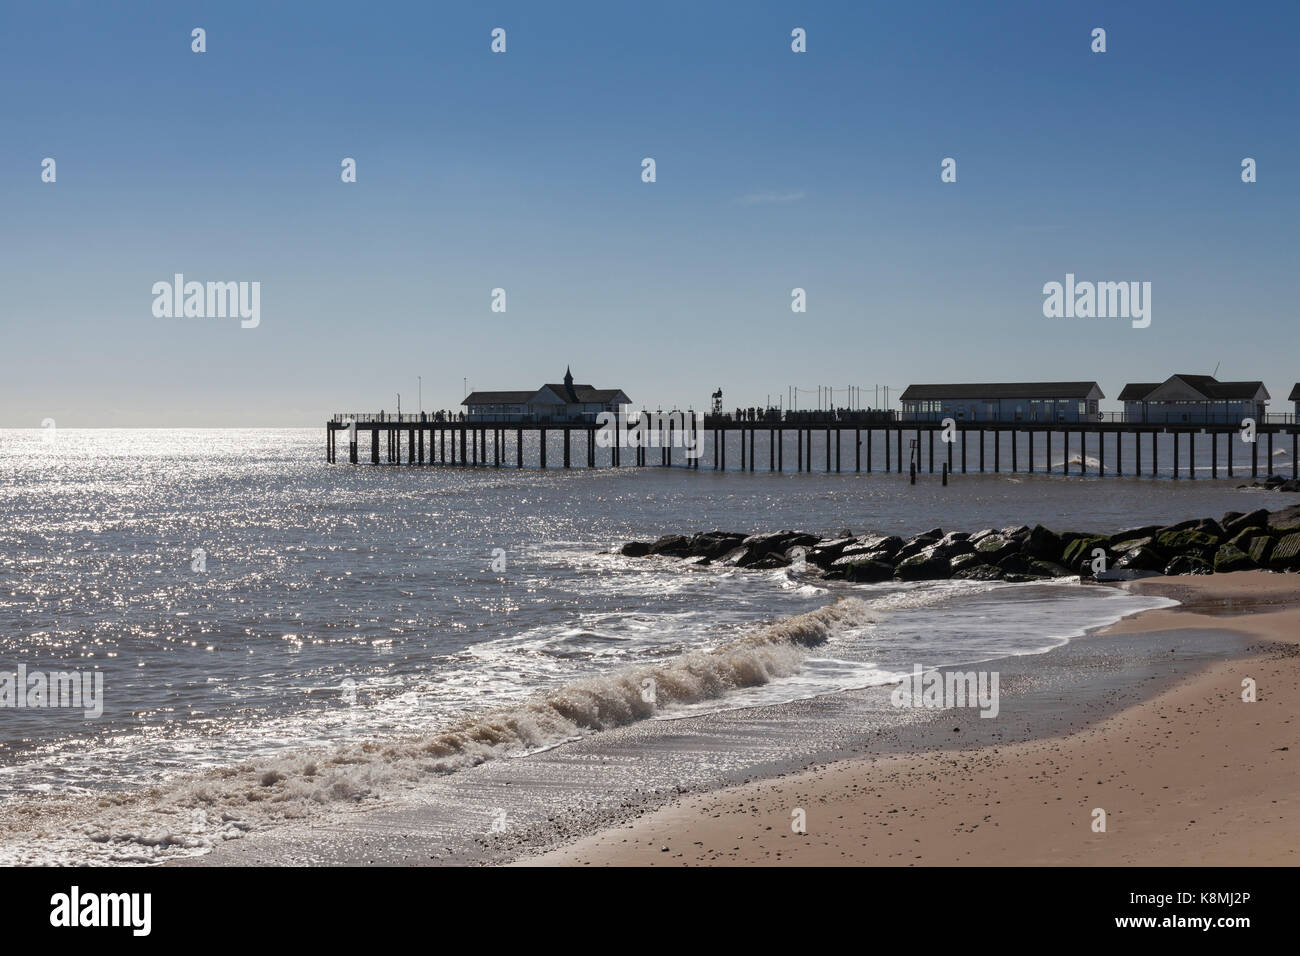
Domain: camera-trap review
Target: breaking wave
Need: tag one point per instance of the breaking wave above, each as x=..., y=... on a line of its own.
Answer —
x=191, y=816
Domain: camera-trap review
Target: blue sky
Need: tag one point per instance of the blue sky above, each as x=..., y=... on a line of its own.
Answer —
x=522, y=171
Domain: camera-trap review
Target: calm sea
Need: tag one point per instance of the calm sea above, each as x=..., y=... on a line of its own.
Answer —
x=260, y=617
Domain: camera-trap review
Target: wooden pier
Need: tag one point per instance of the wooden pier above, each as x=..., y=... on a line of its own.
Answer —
x=895, y=446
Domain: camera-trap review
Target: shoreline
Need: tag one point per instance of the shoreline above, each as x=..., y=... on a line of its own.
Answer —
x=1189, y=774
x=556, y=800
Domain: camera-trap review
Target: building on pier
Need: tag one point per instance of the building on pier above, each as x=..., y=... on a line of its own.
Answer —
x=1002, y=402
x=1295, y=397
x=560, y=402
x=1194, y=400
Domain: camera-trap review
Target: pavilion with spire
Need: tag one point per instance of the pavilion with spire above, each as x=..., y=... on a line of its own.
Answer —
x=559, y=402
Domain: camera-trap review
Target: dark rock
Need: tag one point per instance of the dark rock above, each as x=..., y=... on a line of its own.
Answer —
x=978, y=572
x=674, y=544
x=714, y=544
x=1286, y=554
x=1049, y=569
x=1291, y=484
x=918, y=544
x=1018, y=531
x=1286, y=520
x=769, y=562
x=1141, y=559
x=1235, y=526
x=1132, y=534
x=1014, y=563
x=1184, y=564
x=926, y=566
x=1123, y=547
x=1211, y=527
x=740, y=557
x=1043, y=544
x=867, y=572
x=1177, y=540
x=1079, y=551
x=635, y=549
x=1243, y=537
x=1228, y=558
x=995, y=547
x=1259, y=549
x=825, y=552
x=964, y=561
x=888, y=543
x=777, y=541
x=979, y=536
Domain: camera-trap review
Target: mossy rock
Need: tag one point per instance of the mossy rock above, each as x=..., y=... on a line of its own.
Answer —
x=1230, y=558
x=927, y=566
x=1259, y=549
x=1286, y=553
x=1049, y=569
x=1079, y=551
x=964, y=561
x=996, y=547
x=1175, y=542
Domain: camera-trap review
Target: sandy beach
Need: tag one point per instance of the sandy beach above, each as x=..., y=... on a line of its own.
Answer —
x=1192, y=775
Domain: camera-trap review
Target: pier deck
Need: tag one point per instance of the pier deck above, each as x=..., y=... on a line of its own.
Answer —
x=1117, y=448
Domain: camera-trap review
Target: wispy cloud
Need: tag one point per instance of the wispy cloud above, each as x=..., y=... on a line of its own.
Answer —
x=755, y=199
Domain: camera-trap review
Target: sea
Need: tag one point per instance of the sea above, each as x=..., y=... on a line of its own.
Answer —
x=277, y=636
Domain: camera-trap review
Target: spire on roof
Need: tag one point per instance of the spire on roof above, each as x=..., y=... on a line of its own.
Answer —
x=568, y=377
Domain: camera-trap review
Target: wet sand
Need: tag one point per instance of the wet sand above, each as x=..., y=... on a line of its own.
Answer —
x=1188, y=774
x=578, y=798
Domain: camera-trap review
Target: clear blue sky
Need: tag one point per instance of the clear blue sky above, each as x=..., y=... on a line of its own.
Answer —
x=522, y=171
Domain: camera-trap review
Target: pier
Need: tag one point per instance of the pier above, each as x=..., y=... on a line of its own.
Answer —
x=877, y=444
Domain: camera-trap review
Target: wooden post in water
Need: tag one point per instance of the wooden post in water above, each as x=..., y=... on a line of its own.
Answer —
x=1268, y=466
x=542, y=435
x=931, y=440
x=997, y=450
x=1254, y=458
x=963, y=451
x=1155, y=453
x=1191, y=455
x=1175, y=454
x=981, y=437
x=1031, y=451
x=1014, y=452
x=900, y=449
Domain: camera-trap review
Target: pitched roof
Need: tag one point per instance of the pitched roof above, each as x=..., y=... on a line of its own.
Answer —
x=583, y=394
x=1215, y=390
x=992, y=390
x=1295, y=394
x=1136, y=391
x=497, y=398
